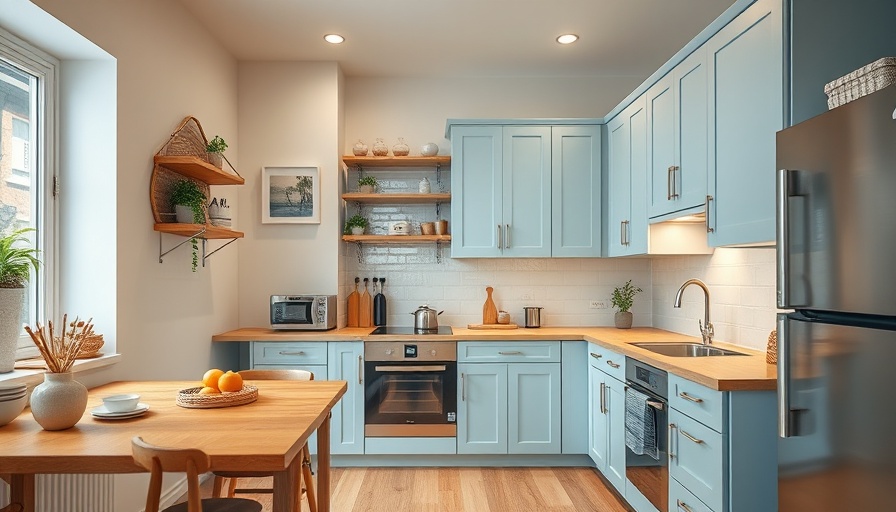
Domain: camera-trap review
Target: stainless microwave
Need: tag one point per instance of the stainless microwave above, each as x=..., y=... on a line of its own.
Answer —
x=303, y=312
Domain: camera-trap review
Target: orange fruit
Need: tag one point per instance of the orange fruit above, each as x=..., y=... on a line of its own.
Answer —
x=230, y=382
x=208, y=390
x=210, y=379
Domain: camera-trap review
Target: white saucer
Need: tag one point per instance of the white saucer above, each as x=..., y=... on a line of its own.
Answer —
x=102, y=413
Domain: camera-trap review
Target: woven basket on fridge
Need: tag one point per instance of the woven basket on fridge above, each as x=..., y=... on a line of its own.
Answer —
x=861, y=82
x=771, y=350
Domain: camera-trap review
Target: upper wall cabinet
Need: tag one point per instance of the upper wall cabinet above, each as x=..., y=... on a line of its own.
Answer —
x=525, y=190
x=745, y=66
x=677, y=139
x=626, y=176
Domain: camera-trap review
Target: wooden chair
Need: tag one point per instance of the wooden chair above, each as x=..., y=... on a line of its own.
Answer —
x=12, y=507
x=308, y=487
x=193, y=462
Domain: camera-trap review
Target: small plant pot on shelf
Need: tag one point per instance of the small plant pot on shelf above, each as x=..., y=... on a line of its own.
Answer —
x=366, y=189
x=623, y=319
x=216, y=159
x=357, y=230
x=183, y=214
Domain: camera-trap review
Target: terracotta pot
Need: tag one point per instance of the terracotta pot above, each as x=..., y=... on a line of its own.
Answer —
x=623, y=319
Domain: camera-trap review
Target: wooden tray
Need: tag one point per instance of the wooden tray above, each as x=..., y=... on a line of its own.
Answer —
x=191, y=399
x=492, y=326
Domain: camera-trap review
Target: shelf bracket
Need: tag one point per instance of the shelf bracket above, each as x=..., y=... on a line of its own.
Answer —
x=439, y=177
x=207, y=255
x=438, y=252
x=360, y=253
x=438, y=210
x=162, y=253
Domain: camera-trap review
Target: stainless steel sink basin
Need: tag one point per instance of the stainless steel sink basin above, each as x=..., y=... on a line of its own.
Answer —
x=686, y=349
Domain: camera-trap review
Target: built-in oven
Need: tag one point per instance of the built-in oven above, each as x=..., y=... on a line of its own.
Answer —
x=649, y=474
x=410, y=389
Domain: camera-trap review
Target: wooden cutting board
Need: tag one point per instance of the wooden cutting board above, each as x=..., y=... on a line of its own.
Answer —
x=492, y=326
x=365, y=308
x=489, y=311
x=353, y=311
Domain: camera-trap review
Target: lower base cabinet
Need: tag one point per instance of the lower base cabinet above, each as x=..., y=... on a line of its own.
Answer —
x=606, y=406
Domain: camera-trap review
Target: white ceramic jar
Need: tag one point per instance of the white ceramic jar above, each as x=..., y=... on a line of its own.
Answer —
x=429, y=149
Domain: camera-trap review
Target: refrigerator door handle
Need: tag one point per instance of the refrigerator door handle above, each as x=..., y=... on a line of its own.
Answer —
x=785, y=420
x=783, y=238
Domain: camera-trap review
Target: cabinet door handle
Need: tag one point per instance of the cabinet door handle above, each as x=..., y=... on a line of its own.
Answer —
x=463, y=387
x=708, y=228
x=669, y=173
x=690, y=398
x=628, y=229
x=507, y=236
x=670, y=439
x=622, y=233
x=690, y=437
x=510, y=353
x=292, y=352
x=500, y=238
x=612, y=364
x=674, y=194
x=360, y=369
x=603, y=400
x=596, y=356
x=683, y=506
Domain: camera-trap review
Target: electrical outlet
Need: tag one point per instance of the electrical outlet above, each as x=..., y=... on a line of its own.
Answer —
x=525, y=296
x=597, y=304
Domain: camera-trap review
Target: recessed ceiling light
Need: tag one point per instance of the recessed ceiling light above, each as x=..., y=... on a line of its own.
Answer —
x=334, y=38
x=567, y=38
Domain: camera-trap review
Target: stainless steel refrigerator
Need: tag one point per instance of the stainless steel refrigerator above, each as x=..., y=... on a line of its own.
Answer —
x=836, y=252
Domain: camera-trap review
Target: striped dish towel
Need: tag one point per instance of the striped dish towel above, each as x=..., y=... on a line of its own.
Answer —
x=640, y=424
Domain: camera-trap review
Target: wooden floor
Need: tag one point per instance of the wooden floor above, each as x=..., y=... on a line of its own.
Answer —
x=461, y=490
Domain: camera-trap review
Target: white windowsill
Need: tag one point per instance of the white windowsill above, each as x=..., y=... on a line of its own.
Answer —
x=34, y=377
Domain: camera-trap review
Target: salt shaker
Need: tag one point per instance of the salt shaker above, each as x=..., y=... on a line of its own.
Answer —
x=425, y=187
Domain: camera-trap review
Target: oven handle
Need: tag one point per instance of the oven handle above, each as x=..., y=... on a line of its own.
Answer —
x=656, y=405
x=429, y=368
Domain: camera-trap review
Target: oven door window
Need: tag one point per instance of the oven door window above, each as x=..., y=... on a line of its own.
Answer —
x=401, y=393
x=296, y=313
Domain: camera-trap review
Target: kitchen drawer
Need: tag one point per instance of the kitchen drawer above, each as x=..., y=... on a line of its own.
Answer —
x=705, y=405
x=508, y=352
x=682, y=500
x=318, y=370
x=698, y=459
x=289, y=353
x=607, y=361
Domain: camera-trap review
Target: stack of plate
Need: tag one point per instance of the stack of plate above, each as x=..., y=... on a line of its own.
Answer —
x=105, y=414
x=12, y=401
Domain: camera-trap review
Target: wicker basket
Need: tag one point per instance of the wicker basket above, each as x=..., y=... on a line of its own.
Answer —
x=91, y=346
x=861, y=82
x=771, y=351
x=191, y=399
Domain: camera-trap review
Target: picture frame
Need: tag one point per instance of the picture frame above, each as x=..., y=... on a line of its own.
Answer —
x=290, y=195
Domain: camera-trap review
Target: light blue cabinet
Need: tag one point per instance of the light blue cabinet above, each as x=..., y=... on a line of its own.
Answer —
x=627, y=181
x=345, y=361
x=511, y=407
x=746, y=85
x=575, y=191
x=482, y=408
x=525, y=190
x=677, y=138
x=606, y=405
x=697, y=458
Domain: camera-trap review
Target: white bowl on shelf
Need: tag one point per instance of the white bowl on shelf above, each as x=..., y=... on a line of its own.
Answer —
x=10, y=409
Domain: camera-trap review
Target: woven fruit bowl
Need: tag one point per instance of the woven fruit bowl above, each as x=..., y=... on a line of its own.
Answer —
x=191, y=399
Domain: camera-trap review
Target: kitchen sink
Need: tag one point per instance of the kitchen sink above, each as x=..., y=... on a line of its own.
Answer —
x=686, y=349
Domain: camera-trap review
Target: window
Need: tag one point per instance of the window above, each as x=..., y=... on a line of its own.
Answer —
x=27, y=153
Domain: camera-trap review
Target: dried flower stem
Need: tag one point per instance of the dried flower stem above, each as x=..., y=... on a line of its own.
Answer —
x=59, y=353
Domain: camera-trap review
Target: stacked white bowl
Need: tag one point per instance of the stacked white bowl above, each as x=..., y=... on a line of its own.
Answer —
x=12, y=401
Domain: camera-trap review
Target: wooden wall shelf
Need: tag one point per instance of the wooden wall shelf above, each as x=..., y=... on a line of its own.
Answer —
x=197, y=168
x=396, y=239
x=396, y=161
x=195, y=231
x=397, y=198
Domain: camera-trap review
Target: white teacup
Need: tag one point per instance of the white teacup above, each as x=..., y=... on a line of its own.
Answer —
x=121, y=403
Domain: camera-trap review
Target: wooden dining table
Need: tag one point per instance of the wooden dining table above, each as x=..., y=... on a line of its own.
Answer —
x=266, y=435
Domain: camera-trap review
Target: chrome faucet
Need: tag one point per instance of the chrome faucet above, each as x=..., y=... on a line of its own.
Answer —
x=706, y=331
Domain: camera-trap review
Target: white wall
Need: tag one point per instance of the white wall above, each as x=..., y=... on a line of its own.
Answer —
x=289, y=116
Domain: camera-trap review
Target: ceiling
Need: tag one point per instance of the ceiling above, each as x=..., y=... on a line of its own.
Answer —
x=427, y=38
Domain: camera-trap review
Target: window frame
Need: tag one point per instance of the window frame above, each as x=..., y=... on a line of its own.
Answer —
x=44, y=155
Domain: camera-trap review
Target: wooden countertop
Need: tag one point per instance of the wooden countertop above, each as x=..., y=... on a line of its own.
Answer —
x=749, y=372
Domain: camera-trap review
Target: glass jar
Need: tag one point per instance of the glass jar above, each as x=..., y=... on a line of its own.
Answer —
x=380, y=148
x=359, y=149
x=401, y=149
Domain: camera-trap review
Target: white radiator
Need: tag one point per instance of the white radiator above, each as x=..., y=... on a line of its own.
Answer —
x=70, y=493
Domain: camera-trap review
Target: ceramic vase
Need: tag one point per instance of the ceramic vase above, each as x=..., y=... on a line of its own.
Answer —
x=11, y=303
x=623, y=319
x=401, y=149
x=380, y=148
x=59, y=401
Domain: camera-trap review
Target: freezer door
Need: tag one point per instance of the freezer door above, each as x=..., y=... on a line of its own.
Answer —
x=836, y=416
x=837, y=209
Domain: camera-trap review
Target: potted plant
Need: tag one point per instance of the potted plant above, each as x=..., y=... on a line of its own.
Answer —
x=188, y=201
x=623, y=298
x=214, y=150
x=367, y=184
x=17, y=258
x=356, y=225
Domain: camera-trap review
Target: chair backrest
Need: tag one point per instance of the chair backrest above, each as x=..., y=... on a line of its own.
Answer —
x=158, y=460
x=276, y=375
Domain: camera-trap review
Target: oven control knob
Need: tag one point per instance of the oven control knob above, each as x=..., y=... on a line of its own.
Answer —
x=432, y=352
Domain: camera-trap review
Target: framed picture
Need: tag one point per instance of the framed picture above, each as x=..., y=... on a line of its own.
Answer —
x=290, y=195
